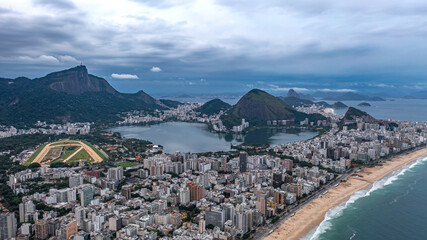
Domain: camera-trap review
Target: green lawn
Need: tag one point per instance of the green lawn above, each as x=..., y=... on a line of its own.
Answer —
x=68, y=150
x=31, y=159
x=126, y=164
x=82, y=154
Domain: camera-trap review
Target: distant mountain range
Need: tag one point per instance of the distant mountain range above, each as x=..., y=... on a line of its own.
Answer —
x=293, y=94
x=347, y=96
x=214, y=106
x=73, y=95
x=294, y=99
x=69, y=95
x=257, y=107
x=417, y=95
x=170, y=103
x=297, y=102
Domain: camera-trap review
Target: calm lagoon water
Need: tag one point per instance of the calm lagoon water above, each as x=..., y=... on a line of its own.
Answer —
x=195, y=137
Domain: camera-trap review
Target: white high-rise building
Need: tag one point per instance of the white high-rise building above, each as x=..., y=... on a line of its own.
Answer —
x=75, y=180
x=202, y=226
x=80, y=215
x=184, y=196
x=8, y=226
x=115, y=173
x=242, y=222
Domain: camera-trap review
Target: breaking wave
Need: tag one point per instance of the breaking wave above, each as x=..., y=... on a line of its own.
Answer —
x=338, y=210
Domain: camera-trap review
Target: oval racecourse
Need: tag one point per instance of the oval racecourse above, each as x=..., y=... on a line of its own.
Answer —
x=66, y=151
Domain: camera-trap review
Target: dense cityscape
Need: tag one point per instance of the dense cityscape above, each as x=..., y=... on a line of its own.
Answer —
x=213, y=120
x=239, y=194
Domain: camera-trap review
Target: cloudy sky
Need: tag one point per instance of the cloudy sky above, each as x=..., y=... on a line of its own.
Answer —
x=168, y=46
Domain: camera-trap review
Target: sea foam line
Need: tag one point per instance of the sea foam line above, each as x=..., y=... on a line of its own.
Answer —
x=338, y=210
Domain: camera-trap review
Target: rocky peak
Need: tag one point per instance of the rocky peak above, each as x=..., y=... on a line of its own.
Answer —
x=76, y=81
x=292, y=93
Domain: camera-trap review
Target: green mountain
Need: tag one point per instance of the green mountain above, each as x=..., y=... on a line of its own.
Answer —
x=292, y=93
x=170, y=103
x=213, y=107
x=324, y=104
x=297, y=102
x=258, y=107
x=352, y=114
x=338, y=105
x=364, y=104
x=67, y=96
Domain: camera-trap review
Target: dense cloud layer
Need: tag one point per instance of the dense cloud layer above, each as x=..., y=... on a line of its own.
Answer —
x=231, y=44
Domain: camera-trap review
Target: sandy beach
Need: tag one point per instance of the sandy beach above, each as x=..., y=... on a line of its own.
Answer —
x=313, y=213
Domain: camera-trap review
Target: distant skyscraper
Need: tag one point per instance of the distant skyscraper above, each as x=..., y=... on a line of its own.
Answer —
x=224, y=164
x=62, y=195
x=86, y=195
x=202, y=226
x=126, y=192
x=242, y=222
x=41, y=228
x=216, y=218
x=7, y=225
x=250, y=219
x=243, y=161
x=184, y=196
x=196, y=192
x=277, y=180
x=27, y=211
x=53, y=225
x=280, y=197
x=75, y=180
x=80, y=215
x=115, y=223
x=71, y=229
x=115, y=173
x=288, y=164
x=21, y=212
x=262, y=203
x=229, y=210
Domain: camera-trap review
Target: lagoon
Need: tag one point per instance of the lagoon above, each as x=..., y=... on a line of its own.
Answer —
x=196, y=137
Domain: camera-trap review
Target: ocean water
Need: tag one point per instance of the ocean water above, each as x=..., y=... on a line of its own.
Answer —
x=393, y=208
x=397, y=109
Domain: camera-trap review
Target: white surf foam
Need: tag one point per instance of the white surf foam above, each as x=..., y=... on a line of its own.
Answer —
x=338, y=210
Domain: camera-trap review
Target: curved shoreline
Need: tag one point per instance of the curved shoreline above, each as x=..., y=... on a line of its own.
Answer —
x=312, y=214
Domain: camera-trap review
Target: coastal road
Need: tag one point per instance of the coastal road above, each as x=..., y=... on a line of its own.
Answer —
x=292, y=209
